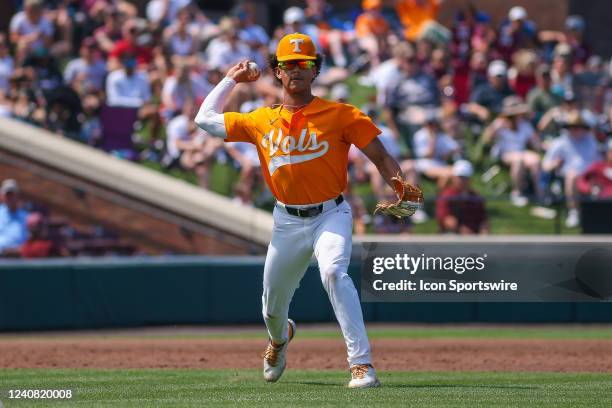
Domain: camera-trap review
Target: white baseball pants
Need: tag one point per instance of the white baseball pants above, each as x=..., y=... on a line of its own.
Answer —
x=294, y=240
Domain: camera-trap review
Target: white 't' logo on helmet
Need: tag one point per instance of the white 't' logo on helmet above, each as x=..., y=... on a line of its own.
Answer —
x=296, y=44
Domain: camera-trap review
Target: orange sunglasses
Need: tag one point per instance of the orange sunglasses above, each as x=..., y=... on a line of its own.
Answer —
x=302, y=64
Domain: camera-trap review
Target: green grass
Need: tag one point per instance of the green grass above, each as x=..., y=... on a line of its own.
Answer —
x=410, y=332
x=196, y=388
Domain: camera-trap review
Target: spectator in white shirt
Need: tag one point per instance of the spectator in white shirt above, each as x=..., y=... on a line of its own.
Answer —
x=571, y=155
x=163, y=12
x=433, y=150
x=383, y=75
x=182, y=86
x=512, y=134
x=190, y=146
x=254, y=34
x=127, y=87
x=86, y=73
x=13, y=229
x=227, y=49
x=30, y=29
x=251, y=33
x=180, y=39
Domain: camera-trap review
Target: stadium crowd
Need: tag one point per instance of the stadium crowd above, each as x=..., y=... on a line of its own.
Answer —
x=29, y=230
x=454, y=102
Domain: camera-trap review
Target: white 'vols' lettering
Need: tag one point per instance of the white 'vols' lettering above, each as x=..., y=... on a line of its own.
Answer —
x=288, y=145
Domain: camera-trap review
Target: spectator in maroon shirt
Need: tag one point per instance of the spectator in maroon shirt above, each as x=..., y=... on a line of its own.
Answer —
x=460, y=209
x=471, y=32
x=596, y=181
x=39, y=245
x=466, y=78
x=521, y=76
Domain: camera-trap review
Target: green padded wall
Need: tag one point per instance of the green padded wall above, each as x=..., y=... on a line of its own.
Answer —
x=66, y=294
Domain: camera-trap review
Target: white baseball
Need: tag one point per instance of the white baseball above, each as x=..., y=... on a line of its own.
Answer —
x=253, y=69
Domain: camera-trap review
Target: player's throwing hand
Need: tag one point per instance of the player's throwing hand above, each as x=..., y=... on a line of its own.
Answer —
x=242, y=72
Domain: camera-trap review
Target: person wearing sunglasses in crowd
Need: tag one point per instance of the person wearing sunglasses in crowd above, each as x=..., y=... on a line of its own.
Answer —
x=303, y=147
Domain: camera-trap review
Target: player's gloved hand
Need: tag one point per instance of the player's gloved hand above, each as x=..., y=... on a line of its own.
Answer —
x=409, y=200
x=241, y=73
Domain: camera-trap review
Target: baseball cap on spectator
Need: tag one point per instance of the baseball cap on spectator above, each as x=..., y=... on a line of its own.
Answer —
x=594, y=62
x=517, y=13
x=525, y=60
x=227, y=26
x=575, y=119
x=497, y=68
x=296, y=46
x=463, y=168
x=574, y=23
x=32, y=2
x=562, y=50
x=294, y=15
x=214, y=66
x=432, y=116
x=403, y=50
x=371, y=4
x=543, y=70
x=569, y=96
x=9, y=186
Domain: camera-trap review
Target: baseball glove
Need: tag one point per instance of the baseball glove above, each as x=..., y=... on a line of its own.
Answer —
x=410, y=199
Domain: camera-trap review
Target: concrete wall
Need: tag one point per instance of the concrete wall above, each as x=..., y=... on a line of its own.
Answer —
x=161, y=213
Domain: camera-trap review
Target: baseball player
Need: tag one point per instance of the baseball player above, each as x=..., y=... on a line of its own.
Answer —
x=303, y=147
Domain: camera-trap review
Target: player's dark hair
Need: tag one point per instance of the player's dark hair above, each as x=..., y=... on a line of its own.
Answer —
x=273, y=63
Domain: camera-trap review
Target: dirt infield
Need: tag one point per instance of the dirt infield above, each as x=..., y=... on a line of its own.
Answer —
x=389, y=354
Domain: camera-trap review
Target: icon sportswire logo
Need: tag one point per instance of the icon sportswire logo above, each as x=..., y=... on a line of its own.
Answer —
x=283, y=148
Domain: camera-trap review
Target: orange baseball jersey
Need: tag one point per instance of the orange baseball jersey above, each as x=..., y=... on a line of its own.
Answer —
x=367, y=24
x=414, y=14
x=304, y=155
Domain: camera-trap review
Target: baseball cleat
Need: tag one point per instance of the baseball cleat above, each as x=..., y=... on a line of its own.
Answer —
x=363, y=376
x=274, y=360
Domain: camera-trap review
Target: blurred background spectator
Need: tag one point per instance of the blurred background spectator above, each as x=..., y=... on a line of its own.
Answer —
x=39, y=243
x=516, y=145
x=13, y=219
x=570, y=155
x=459, y=208
x=596, y=181
x=487, y=97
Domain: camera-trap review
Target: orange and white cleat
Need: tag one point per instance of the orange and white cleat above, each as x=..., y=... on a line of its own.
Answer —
x=363, y=376
x=274, y=360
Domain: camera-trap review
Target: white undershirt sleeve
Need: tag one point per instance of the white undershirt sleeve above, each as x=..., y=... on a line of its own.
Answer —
x=210, y=116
